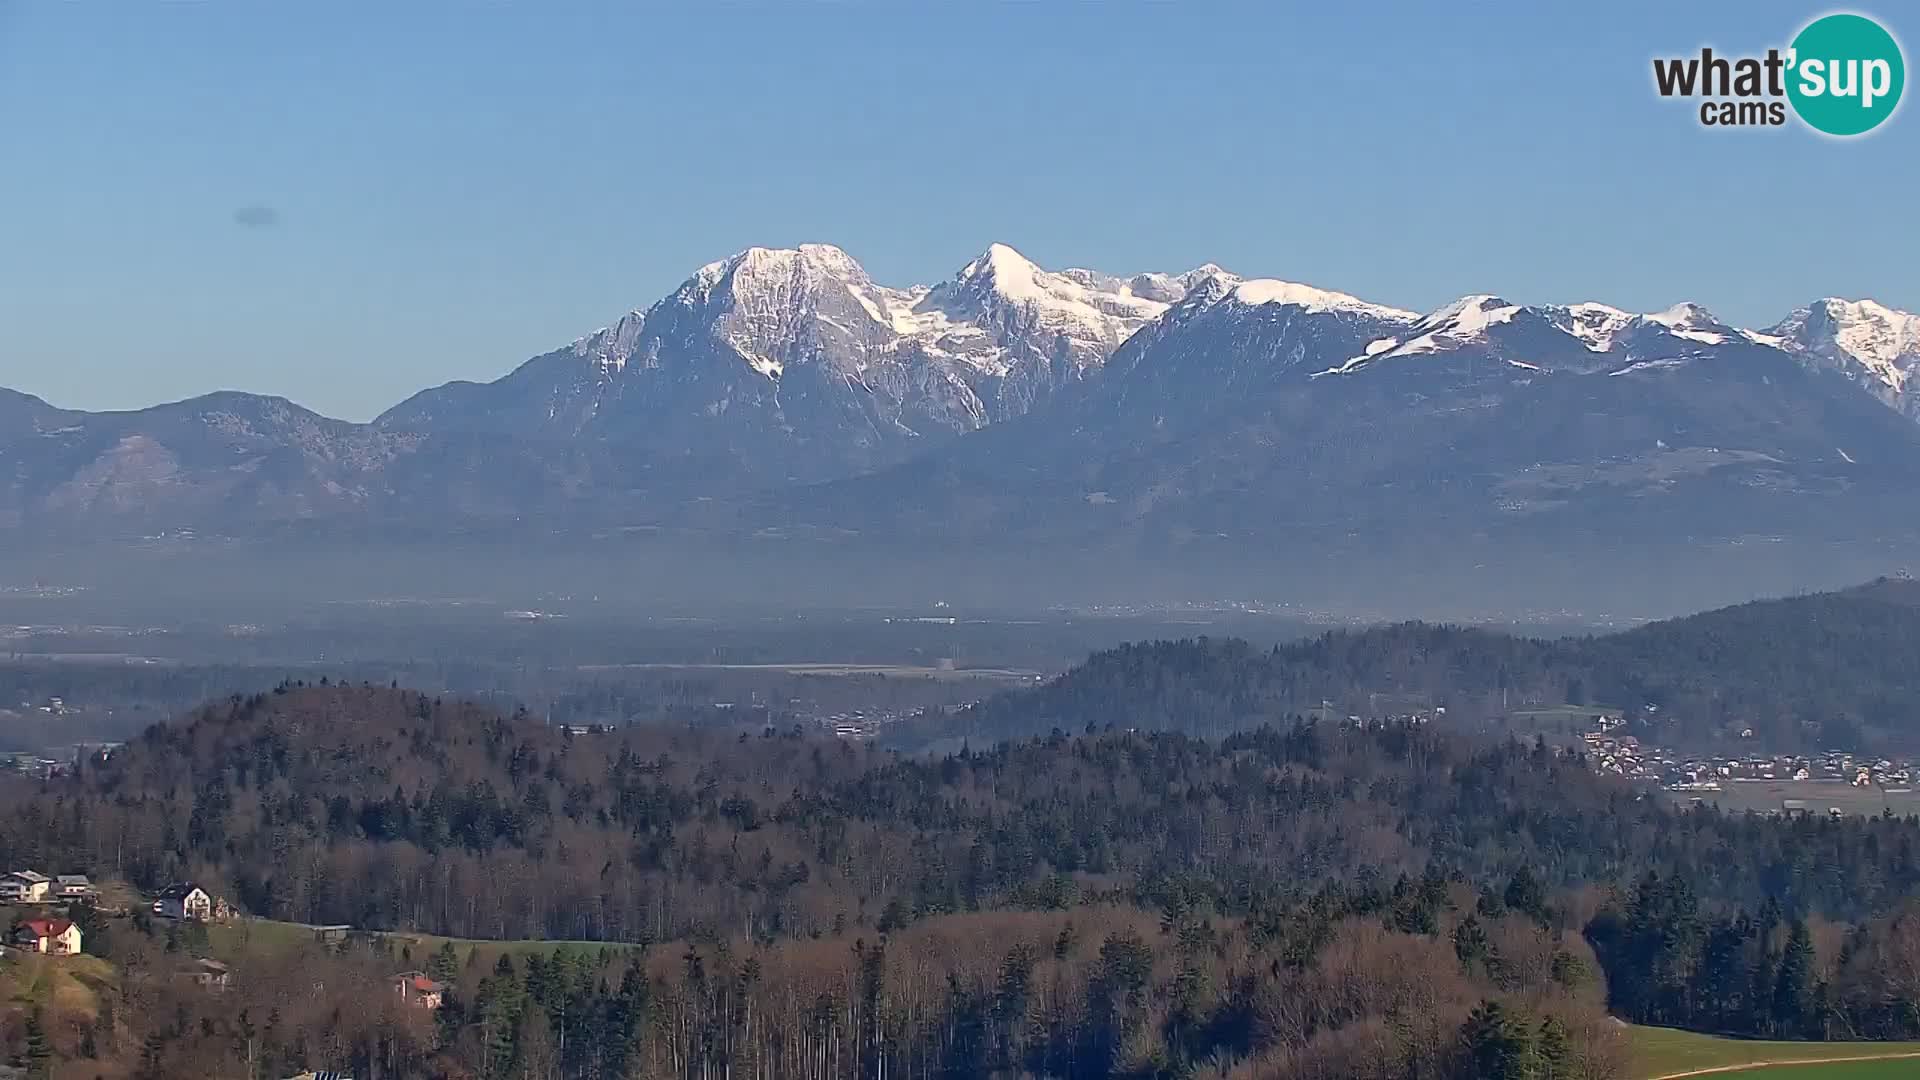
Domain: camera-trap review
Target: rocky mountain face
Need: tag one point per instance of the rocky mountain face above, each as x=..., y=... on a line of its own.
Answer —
x=786, y=393
x=219, y=462
x=797, y=367
x=1874, y=346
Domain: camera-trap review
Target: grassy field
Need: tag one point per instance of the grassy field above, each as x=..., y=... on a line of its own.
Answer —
x=419, y=947
x=1739, y=795
x=64, y=984
x=1848, y=1070
x=411, y=950
x=1660, y=1052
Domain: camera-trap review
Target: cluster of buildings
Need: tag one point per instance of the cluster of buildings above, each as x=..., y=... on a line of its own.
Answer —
x=857, y=724
x=46, y=933
x=34, y=887
x=185, y=900
x=33, y=765
x=1625, y=755
x=1696, y=774
x=1706, y=773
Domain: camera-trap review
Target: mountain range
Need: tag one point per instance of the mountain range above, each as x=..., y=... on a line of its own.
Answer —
x=785, y=393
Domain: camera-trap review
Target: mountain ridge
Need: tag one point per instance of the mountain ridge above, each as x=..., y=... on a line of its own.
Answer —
x=1868, y=337
x=784, y=393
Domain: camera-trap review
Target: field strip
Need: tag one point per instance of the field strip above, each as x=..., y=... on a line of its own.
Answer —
x=1757, y=1065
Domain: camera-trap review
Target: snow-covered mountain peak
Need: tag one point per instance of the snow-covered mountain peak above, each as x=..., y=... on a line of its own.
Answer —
x=1856, y=337
x=1466, y=319
x=1686, y=313
x=1692, y=322
x=1873, y=332
x=1173, y=288
x=1011, y=270
x=782, y=270
x=1209, y=289
x=1076, y=315
x=1596, y=325
x=764, y=303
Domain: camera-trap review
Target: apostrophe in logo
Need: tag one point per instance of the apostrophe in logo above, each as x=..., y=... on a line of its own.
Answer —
x=1845, y=74
x=1842, y=76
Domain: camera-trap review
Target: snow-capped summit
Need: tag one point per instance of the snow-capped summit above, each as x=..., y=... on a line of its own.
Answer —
x=1551, y=337
x=1691, y=322
x=801, y=345
x=1171, y=288
x=1864, y=340
x=770, y=304
x=1197, y=401
x=1077, y=316
x=796, y=362
x=1466, y=319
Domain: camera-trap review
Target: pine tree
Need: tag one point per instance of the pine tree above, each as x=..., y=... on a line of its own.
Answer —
x=444, y=965
x=1556, y=1060
x=39, y=1052
x=1526, y=895
x=1470, y=941
x=1793, y=986
x=1498, y=1046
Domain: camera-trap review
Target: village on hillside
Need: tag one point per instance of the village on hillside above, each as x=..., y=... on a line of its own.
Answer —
x=50, y=913
x=1784, y=784
x=46, y=922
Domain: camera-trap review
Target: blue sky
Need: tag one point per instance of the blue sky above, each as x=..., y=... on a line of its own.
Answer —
x=435, y=191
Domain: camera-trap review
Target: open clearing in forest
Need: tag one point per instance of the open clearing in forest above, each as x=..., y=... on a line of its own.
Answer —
x=1660, y=1053
x=271, y=936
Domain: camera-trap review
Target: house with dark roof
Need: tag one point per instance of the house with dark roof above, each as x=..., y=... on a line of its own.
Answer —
x=183, y=900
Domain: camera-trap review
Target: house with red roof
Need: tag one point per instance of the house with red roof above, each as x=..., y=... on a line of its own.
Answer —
x=57, y=937
x=418, y=989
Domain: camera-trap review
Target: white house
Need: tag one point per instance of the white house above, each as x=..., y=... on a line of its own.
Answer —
x=57, y=937
x=184, y=901
x=25, y=887
x=72, y=887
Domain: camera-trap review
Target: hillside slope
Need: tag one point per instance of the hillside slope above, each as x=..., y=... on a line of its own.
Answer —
x=1816, y=671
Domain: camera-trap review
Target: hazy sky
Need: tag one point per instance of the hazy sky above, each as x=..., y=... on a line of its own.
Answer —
x=344, y=202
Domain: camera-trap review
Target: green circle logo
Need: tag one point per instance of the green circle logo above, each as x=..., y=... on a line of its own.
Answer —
x=1845, y=74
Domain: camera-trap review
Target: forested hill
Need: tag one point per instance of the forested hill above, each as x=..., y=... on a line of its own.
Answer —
x=1185, y=903
x=1824, y=670
x=390, y=809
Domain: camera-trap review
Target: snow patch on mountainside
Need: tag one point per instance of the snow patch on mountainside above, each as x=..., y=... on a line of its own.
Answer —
x=1548, y=337
x=1308, y=298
